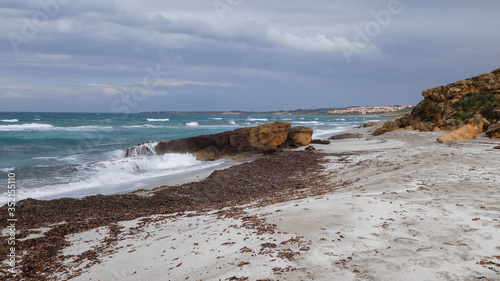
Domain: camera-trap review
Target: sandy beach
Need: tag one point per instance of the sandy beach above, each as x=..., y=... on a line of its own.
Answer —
x=395, y=207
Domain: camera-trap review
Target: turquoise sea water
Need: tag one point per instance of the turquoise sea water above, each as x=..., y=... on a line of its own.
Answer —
x=58, y=155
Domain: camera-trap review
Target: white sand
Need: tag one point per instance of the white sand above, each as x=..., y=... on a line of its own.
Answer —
x=415, y=210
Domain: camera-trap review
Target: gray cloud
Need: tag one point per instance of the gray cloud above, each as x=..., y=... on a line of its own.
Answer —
x=258, y=56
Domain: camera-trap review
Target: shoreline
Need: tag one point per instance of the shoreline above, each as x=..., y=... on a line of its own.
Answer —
x=190, y=177
x=376, y=208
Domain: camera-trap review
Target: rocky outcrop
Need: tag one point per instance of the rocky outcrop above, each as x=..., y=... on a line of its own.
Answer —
x=468, y=131
x=369, y=124
x=346, y=136
x=299, y=136
x=321, y=142
x=210, y=153
x=211, y=147
x=310, y=148
x=450, y=107
x=494, y=131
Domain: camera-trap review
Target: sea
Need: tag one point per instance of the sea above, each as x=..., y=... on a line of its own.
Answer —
x=56, y=155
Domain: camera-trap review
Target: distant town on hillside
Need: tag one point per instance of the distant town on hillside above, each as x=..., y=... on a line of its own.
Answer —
x=388, y=111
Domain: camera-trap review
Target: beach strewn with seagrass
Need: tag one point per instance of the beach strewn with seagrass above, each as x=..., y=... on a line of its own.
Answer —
x=413, y=198
x=399, y=207
x=233, y=140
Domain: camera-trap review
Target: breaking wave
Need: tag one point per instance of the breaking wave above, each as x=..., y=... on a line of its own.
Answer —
x=192, y=124
x=48, y=127
x=158, y=120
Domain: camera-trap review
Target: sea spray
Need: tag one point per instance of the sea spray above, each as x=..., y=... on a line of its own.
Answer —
x=144, y=149
x=77, y=154
x=116, y=175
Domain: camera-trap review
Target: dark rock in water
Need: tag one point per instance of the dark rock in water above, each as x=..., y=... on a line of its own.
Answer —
x=310, y=148
x=496, y=147
x=211, y=147
x=346, y=136
x=320, y=141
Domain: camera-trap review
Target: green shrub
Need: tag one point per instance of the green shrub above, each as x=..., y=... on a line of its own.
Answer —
x=485, y=103
x=496, y=71
x=474, y=79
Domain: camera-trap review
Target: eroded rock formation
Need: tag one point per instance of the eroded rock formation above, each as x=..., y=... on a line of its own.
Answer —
x=468, y=131
x=299, y=136
x=211, y=147
x=494, y=131
x=451, y=107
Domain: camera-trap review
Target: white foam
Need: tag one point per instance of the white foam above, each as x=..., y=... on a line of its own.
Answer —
x=192, y=124
x=145, y=149
x=232, y=122
x=140, y=126
x=70, y=159
x=158, y=120
x=116, y=154
x=215, y=118
x=48, y=127
x=308, y=122
x=10, y=120
x=95, y=176
x=324, y=134
x=257, y=119
x=45, y=158
x=85, y=128
x=7, y=170
x=26, y=127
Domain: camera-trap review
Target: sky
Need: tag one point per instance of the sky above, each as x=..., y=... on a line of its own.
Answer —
x=127, y=56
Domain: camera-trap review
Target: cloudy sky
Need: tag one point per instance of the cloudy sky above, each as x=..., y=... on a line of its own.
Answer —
x=131, y=56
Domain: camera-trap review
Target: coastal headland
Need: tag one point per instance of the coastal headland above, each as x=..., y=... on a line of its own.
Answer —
x=380, y=111
x=400, y=205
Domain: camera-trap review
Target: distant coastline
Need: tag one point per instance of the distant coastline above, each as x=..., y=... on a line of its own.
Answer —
x=376, y=111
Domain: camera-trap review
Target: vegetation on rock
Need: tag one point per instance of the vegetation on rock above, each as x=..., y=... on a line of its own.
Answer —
x=485, y=103
x=453, y=106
